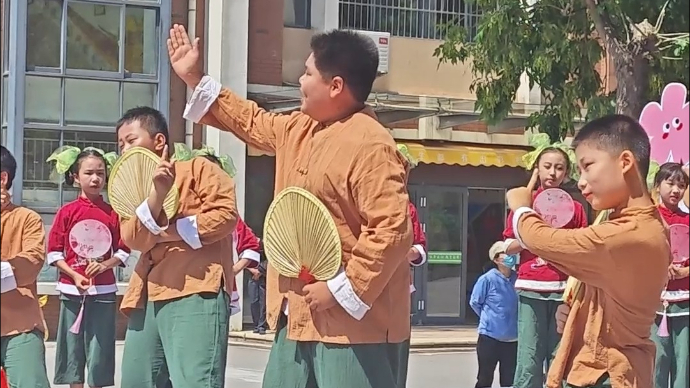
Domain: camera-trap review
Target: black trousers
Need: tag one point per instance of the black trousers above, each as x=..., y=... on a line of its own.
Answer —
x=491, y=352
x=257, y=299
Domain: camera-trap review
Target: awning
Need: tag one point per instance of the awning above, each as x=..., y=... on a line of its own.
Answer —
x=466, y=155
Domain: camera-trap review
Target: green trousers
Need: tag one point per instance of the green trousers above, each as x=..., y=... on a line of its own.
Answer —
x=672, y=358
x=604, y=382
x=537, y=340
x=93, y=348
x=23, y=356
x=293, y=364
x=184, y=340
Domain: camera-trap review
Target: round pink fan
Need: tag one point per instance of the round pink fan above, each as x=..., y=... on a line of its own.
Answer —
x=555, y=206
x=90, y=239
x=679, y=236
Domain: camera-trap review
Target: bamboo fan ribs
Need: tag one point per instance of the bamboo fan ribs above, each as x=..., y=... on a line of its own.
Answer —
x=131, y=181
x=300, y=237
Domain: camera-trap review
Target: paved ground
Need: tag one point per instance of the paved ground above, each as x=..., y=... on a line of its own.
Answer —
x=246, y=365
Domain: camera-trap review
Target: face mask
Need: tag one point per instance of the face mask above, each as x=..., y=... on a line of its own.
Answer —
x=510, y=261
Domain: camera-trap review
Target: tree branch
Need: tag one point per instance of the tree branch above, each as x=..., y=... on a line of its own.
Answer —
x=601, y=26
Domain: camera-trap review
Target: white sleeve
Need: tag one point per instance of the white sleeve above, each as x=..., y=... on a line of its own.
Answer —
x=250, y=254
x=144, y=214
x=7, y=281
x=187, y=228
x=204, y=95
x=342, y=290
x=122, y=256
x=516, y=221
x=422, y=256
x=54, y=257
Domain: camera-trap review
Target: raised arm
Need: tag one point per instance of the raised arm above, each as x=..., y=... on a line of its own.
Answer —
x=214, y=105
x=380, y=195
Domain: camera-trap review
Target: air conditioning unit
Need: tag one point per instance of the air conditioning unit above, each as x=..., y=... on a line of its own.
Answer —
x=382, y=41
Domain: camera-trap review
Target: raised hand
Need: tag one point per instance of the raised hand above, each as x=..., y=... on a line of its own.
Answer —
x=164, y=176
x=184, y=56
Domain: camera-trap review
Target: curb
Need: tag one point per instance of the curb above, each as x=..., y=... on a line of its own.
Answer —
x=265, y=342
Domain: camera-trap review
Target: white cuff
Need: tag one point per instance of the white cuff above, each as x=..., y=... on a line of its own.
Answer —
x=187, y=228
x=250, y=255
x=204, y=95
x=682, y=207
x=146, y=218
x=516, y=222
x=122, y=256
x=7, y=281
x=54, y=257
x=342, y=290
x=422, y=256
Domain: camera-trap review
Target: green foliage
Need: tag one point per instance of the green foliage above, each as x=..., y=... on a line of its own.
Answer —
x=553, y=42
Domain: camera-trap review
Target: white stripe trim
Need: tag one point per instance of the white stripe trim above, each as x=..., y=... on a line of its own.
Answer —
x=71, y=289
x=540, y=286
x=54, y=257
x=671, y=315
x=516, y=222
x=250, y=254
x=675, y=296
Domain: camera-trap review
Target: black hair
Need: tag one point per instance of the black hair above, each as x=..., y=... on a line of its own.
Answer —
x=214, y=159
x=74, y=168
x=672, y=171
x=8, y=164
x=150, y=119
x=349, y=55
x=615, y=134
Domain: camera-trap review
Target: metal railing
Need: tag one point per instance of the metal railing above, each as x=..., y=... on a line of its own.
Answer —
x=422, y=19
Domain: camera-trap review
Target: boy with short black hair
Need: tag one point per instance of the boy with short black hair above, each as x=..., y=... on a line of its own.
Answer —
x=622, y=263
x=23, y=253
x=180, y=272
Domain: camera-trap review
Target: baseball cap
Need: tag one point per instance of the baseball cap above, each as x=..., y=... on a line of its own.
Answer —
x=496, y=249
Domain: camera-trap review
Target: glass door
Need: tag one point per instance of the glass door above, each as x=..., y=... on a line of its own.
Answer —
x=443, y=215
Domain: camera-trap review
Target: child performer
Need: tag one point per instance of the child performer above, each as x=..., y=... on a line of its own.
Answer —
x=86, y=327
x=416, y=256
x=672, y=359
x=177, y=308
x=495, y=301
x=540, y=285
x=622, y=262
x=22, y=354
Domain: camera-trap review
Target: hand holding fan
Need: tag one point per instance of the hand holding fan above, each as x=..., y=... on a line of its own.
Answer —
x=679, y=237
x=555, y=206
x=91, y=240
x=131, y=180
x=301, y=239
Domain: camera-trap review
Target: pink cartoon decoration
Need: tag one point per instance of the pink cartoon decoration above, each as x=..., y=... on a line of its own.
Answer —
x=555, y=206
x=679, y=236
x=667, y=125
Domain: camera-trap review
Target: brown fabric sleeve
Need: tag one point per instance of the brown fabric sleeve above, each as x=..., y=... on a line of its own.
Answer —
x=217, y=217
x=28, y=263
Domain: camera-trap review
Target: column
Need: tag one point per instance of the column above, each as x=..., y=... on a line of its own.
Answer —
x=15, y=90
x=324, y=15
x=227, y=36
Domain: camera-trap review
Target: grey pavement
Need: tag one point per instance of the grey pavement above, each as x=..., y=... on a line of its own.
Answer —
x=427, y=370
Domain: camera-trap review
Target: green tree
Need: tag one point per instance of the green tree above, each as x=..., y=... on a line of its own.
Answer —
x=559, y=43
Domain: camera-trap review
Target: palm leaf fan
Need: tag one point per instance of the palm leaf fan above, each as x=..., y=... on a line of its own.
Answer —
x=301, y=239
x=573, y=286
x=131, y=180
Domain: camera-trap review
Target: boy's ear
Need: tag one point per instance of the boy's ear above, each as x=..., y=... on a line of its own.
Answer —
x=159, y=142
x=627, y=161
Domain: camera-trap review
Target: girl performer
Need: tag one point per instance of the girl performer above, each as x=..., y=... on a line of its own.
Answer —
x=672, y=349
x=495, y=301
x=540, y=285
x=88, y=282
x=416, y=256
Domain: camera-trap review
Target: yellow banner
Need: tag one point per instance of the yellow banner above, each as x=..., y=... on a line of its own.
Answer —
x=466, y=155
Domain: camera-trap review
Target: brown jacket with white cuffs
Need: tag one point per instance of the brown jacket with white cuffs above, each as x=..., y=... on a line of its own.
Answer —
x=354, y=168
x=206, y=218
x=623, y=264
x=23, y=248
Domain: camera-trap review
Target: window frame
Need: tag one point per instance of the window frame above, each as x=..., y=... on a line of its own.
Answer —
x=308, y=22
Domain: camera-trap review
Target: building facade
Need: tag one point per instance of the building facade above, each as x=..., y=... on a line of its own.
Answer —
x=71, y=67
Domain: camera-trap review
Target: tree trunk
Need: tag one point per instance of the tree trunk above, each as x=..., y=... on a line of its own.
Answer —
x=632, y=77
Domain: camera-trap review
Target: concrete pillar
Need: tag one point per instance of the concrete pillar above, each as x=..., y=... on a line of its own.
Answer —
x=227, y=36
x=324, y=15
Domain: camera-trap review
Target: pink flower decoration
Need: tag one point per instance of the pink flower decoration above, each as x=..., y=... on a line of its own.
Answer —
x=668, y=125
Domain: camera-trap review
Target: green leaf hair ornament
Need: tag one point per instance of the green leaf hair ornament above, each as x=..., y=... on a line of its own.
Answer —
x=184, y=153
x=541, y=142
x=65, y=156
x=402, y=148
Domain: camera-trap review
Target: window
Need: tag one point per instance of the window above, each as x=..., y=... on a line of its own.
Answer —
x=87, y=62
x=409, y=18
x=297, y=13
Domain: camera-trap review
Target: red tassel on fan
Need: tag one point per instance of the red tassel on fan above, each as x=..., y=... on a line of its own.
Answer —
x=306, y=276
x=3, y=379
